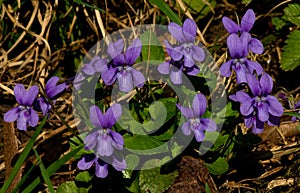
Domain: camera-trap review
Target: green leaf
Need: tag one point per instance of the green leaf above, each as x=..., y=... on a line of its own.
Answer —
x=292, y=13
x=279, y=23
x=144, y=144
x=152, y=50
x=207, y=189
x=218, y=167
x=199, y=7
x=166, y=10
x=152, y=180
x=132, y=161
x=22, y=157
x=67, y=187
x=44, y=172
x=83, y=177
x=291, y=52
x=158, y=115
x=292, y=114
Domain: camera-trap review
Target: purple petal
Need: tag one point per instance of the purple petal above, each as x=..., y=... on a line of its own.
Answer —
x=51, y=82
x=248, y=122
x=164, y=68
x=54, y=91
x=273, y=121
x=138, y=78
x=253, y=84
x=115, y=48
x=34, y=118
x=101, y=169
x=258, y=127
x=190, y=29
x=199, y=105
x=186, y=128
x=125, y=81
x=90, y=140
x=176, y=76
x=235, y=46
x=19, y=91
x=199, y=135
x=12, y=115
x=88, y=69
x=22, y=120
x=119, y=60
x=256, y=46
x=240, y=96
x=187, y=112
x=266, y=84
x=246, y=107
x=29, y=96
x=43, y=106
x=240, y=76
x=109, y=76
x=118, y=141
x=176, y=32
x=177, y=53
x=254, y=66
x=133, y=51
x=112, y=115
x=198, y=53
x=99, y=64
x=104, y=147
x=275, y=107
x=230, y=25
x=225, y=69
x=263, y=111
x=86, y=161
x=248, y=20
x=208, y=124
x=119, y=165
x=97, y=118
x=188, y=61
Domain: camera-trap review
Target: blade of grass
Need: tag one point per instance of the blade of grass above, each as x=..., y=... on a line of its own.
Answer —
x=88, y=5
x=166, y=10
x=44, y=172
x=52, y=168
x=292, y=114
x=22, y=157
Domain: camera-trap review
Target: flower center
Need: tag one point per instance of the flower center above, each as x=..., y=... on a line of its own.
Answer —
x=195, y=122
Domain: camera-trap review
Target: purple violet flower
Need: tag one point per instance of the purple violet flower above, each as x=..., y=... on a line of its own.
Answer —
x=239, y=63
x=195, y=122
x=260, y=106
x=101, y=169
x=103, y=140
x=186, y=35
x=247, y=23
x=24, y=114
x=120, y=68
x=52, y=91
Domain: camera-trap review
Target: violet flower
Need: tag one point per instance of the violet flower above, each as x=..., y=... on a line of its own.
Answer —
x=52, y=91
x=239, y=63
x=259, y=106
x=247, y=23
x=101, y=169
x=120, y=68
x=186, y=35
x=103, y=140
x=195, y=122
x=24, y=114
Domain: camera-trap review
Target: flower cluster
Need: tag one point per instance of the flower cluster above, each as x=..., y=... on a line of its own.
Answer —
x=184, y=56
x=103, y=141
x=119, y=67
x=25, y=113
x=239, y=43
x=257, y=106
